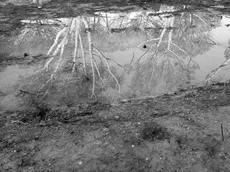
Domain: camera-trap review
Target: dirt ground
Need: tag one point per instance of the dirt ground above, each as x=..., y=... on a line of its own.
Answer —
x=187, y=131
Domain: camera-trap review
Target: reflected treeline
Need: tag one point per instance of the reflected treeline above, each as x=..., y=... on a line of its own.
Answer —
x=169, y=41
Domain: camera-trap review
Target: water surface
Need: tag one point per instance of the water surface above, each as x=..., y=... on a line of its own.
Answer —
x=148, y=50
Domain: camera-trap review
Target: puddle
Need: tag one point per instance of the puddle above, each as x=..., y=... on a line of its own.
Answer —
x=77, y=81
x=142, y=52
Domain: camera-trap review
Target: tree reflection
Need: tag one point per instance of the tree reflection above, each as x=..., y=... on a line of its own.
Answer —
x=171, y=40
x=170, y=55
x=73, y=32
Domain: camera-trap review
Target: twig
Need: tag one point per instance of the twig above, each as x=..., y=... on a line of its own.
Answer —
x=95, y=49
x=200, y=19
x=26, y=92
x=98, y=72
x=144, y=53
x=222, y=132
x=180, y=49
x=108, y=67
x=131, y=60
x=175, y=55
x=155, y=39
x=46, y=65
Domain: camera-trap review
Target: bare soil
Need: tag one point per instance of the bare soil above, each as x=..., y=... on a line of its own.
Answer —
x=187, y=131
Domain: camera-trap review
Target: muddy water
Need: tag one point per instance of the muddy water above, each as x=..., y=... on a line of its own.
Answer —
x=143, y=52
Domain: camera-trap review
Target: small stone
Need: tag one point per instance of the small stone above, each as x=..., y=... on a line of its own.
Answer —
x=133, y=146
x=80, y=162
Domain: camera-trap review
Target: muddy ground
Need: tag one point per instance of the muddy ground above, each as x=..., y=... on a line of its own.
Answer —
x=187, y=131
x=13, y=11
